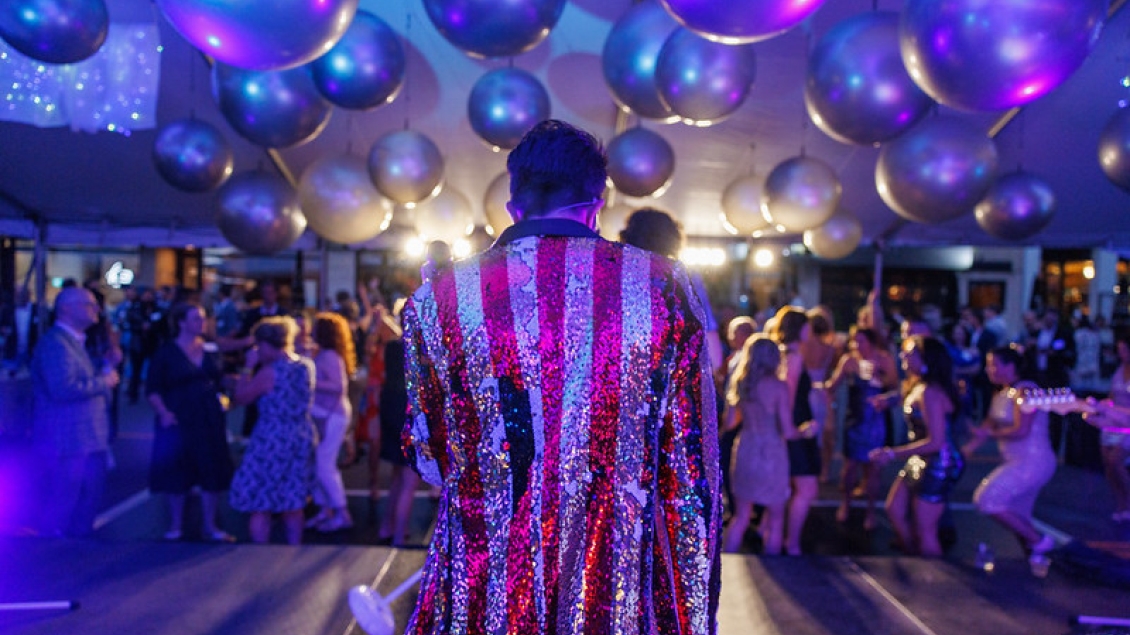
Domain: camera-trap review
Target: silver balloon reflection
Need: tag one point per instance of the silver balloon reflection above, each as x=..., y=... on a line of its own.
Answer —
x=937, y=171
x=613, y=219
x=1018, y=206
x=192, y=155
x=640, y=162
x=978, y=55
x=741, y=21
x=800, y=193
x=494, y=204
x=340, y=202
x=261, y=34
x=55, y=31
x=858, y=90
x=365, y=69
x=447, y=216
x=629, y=58
x=504, y=104
x=836, y=238
x=406, y=166
x=489, y=28
x=1114, y=148
x=259, y=213
x=741, y=205
x=275, y=109
x=702, y=81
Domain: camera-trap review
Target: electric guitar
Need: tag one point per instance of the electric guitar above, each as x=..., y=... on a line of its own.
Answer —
x=1063, y=401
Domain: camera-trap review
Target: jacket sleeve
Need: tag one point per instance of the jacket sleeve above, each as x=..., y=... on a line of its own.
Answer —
x=65, y=378
x=689, y=477
x=424, y=438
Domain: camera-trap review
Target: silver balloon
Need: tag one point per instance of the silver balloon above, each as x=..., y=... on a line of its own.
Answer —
x=979, y=55
x=613, y=219
x=741, y=205
x=447, y=216
x=1018, y=206
x=261, y=34
x=858, y=90
x=259, y=213
x=640, y=162
x=1114, y=148
x=836, y=238
x=406, y=166
x=55, y=31
x=937, y=171
x=192, y=155
x=505, y=104
x=494, y=203
x=340, y=202
x=741, y=21
x=490, y=28
x=800, y=193
x=365, y=69
x=703, y=81
x=276, y=109
x=630, y=55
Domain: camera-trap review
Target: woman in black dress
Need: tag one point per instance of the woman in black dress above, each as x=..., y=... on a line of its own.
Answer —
x=190, y=446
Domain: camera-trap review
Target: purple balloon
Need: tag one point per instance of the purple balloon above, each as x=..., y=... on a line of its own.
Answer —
x=261, y=34
x=494, y=28
x=937, y=171
x=259, y=213
x=1018, y=206
x=192, y=155
x=640, y=162
x=340, y=202
x=1114, y=148
x=365, y=69
x=276, y=109
x=741, y=21
x=993, y=55
x=836, y=238
x=703, y=81
x=858, y=90
x=629, y=58
x=406, y=166
x=800, y=193
x=504, y=104
x=55, y=31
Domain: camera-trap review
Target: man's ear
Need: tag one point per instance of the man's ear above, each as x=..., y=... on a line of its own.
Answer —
x=516, y=213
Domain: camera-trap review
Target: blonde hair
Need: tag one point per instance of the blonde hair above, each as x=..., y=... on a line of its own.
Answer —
x=278, y=331
x=760, y=358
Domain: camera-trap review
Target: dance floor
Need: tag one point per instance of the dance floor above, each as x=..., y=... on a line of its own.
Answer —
x=190, y=588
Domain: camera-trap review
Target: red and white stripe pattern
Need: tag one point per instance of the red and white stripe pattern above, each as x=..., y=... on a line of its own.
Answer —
x=561, y=393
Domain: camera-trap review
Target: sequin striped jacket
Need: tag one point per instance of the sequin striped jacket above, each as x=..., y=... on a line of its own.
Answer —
x=560, y=392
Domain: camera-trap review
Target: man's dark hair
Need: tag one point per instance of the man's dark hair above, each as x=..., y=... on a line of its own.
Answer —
x=555, y=165
x=653, y=230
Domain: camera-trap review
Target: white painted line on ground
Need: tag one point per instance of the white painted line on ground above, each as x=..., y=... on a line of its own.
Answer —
x=121, y=509
x=906, y=612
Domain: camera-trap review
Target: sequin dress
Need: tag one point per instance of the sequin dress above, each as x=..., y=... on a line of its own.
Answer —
x=759, y=468
x=561, y=392
x=277, y=472
x=865, y=428
x=931, y=477
x=1028, y=464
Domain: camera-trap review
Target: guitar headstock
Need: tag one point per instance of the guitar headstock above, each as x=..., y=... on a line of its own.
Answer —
x=1058, y=400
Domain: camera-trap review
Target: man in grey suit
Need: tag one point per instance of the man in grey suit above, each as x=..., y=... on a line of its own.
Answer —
x=71, y=427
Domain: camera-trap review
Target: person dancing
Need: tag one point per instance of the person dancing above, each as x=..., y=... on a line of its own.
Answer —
x=1009, y=492
x=933, y=462
x=334, y=363
x=758, y=401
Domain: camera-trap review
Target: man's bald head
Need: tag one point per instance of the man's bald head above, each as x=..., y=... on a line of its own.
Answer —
x=76, y=307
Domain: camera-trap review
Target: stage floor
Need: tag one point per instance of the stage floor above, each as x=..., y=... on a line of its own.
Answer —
x=194, y=588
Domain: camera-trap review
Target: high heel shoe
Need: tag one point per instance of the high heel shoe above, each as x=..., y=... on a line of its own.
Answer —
x=316, y=520
x=339, y=522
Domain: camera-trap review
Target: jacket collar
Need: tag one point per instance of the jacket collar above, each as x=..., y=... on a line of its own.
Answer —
x=545, y=227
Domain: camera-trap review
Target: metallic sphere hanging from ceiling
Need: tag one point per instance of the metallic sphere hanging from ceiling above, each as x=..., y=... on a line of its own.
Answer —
x=490, y=28
x=55, y=31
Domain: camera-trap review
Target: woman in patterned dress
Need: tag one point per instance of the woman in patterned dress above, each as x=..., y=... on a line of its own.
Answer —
x=277, y=471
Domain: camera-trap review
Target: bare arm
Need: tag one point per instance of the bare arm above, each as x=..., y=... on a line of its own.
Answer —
x=250, y=387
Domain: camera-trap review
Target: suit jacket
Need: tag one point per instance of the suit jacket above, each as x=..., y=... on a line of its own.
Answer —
x=71, y=397
x=561, y=393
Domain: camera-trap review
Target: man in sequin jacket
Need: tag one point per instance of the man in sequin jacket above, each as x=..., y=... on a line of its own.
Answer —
x=561, y=393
